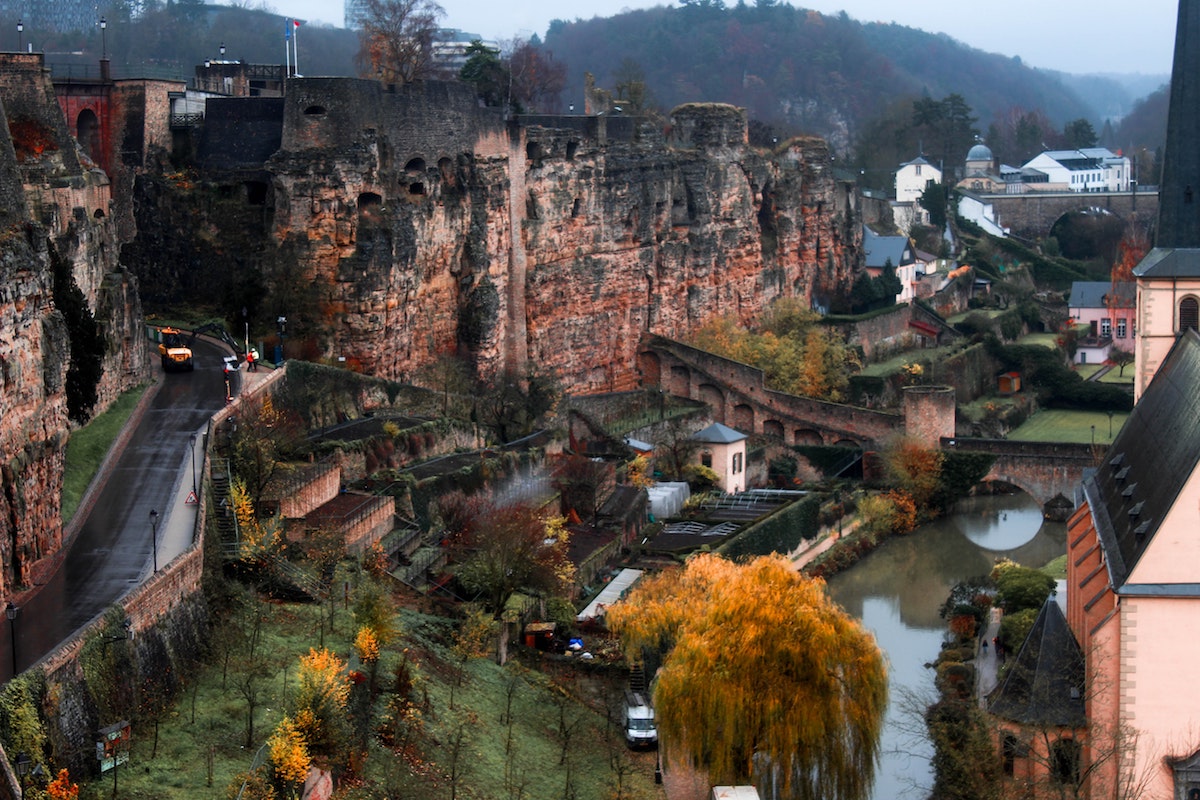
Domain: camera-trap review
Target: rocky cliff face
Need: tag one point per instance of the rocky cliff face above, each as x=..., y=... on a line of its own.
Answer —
x=55, y=243
x=394, y=227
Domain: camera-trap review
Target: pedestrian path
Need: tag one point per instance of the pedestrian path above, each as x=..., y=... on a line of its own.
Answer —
x=826, y=538
x=987, y=662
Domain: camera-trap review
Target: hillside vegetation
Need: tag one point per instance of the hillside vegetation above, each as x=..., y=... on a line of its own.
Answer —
x=795, y=68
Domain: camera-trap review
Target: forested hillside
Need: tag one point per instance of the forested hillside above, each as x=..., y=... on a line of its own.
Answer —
x=795, y=69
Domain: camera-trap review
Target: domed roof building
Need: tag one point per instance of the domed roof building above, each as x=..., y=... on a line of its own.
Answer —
x=979, y=160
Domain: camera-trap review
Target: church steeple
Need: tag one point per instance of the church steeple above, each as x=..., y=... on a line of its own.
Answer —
x=1179, y=192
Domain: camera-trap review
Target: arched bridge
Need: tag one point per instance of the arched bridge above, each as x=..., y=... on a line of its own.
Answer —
x=1050, y=472
x=1033, y=214
x=738, y=398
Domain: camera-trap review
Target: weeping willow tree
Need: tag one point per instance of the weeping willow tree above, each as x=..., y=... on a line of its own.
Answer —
x=765, y=678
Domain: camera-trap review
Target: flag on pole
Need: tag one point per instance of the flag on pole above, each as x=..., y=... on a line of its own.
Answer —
x=296, y=45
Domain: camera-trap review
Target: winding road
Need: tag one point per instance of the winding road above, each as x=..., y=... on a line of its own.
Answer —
x=116, y=546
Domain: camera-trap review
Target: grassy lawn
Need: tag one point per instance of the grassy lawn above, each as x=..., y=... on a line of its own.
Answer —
x=1049, y=340
x=990, y=313
x=1069, y=426
x=88, y=446
x=1086, y=371
x=1114, y=376
x=884, y=368
x=541, y=728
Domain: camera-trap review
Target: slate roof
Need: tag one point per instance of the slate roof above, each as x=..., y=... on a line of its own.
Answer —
x=880, y=249
x=1178, y=211
x=1147, y=466
x=1168, y=262
x=1044, y=684
x=718, y=434
x=1093, y=294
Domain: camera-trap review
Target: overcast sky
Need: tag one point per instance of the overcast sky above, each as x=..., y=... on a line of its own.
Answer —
x=1078, y=36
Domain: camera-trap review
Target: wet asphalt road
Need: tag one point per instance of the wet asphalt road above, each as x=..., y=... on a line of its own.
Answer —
x=114, y=550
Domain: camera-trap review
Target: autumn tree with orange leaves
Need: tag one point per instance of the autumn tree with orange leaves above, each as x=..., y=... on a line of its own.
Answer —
x=765, y=680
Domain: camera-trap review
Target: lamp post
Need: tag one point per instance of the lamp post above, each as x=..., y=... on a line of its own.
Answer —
x=20, y=34
x=154, y=536
x=192, y=440
x=103, y=38
x=22, y=764
x=11, y=611
x=282, y=322
x=222, y=49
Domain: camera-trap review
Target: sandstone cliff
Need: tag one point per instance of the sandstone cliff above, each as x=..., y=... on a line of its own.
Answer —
x=391, y=227
x=58, y=282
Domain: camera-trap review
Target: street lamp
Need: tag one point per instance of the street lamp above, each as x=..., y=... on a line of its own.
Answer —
x=192, y=440
x=282, y=322
x=20, y=34
x=154, y=537
x=222, y=49
x=11, y=611
x=103, y=38
x=22, y=765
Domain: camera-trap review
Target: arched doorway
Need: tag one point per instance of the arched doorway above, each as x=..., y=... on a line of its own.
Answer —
x=87, y=133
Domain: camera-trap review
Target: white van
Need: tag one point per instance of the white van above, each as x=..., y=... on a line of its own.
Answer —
x=640, y=728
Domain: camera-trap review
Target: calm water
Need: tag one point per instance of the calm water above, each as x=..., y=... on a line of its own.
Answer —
x=897, y=590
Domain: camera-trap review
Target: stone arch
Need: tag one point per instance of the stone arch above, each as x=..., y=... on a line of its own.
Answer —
x=715, y=398
x=415, y=172
x=807, y=436
x=680, y=381
x=773, y=427
x=256, y=192
x=1100, y=228
x=848, y=443
x=446, y=169
x=369, y=206
x=743, y=418
x=1189, y=313
x=651, y=368
x=314, y=111
x=87, y=133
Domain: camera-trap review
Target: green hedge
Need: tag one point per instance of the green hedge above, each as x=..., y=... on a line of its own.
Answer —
x=779, y=533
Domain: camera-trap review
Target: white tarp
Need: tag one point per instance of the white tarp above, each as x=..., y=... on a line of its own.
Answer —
x=667, y=499
x=610, y=594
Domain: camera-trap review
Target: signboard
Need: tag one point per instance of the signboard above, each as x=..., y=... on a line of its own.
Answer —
x=113, y=748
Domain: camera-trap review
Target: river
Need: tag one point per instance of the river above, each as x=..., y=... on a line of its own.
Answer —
x=897, y=591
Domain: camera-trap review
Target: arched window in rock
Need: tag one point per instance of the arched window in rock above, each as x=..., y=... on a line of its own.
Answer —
x=1189, y=314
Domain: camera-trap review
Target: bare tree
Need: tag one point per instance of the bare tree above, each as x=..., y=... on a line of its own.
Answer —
x=396, y=39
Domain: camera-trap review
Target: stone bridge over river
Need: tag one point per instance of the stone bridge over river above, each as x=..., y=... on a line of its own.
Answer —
x=737, y=397
x=1032, y=215
x=1050, y=472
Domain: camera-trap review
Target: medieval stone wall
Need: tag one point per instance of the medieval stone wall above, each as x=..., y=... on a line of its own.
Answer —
x=397, y=226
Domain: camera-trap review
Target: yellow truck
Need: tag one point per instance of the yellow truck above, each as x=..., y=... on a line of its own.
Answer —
x=175, y=350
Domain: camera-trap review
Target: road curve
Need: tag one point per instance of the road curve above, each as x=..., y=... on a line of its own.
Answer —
x=114, y=549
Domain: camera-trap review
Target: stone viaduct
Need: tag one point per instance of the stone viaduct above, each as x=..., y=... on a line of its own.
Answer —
x=1048, y=472
x=1033, y=214
x=738, y=397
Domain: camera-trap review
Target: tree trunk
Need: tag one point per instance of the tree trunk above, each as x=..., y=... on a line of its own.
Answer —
x=502, y=643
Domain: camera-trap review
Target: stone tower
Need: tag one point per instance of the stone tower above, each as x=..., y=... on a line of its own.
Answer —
x=1168, y=278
